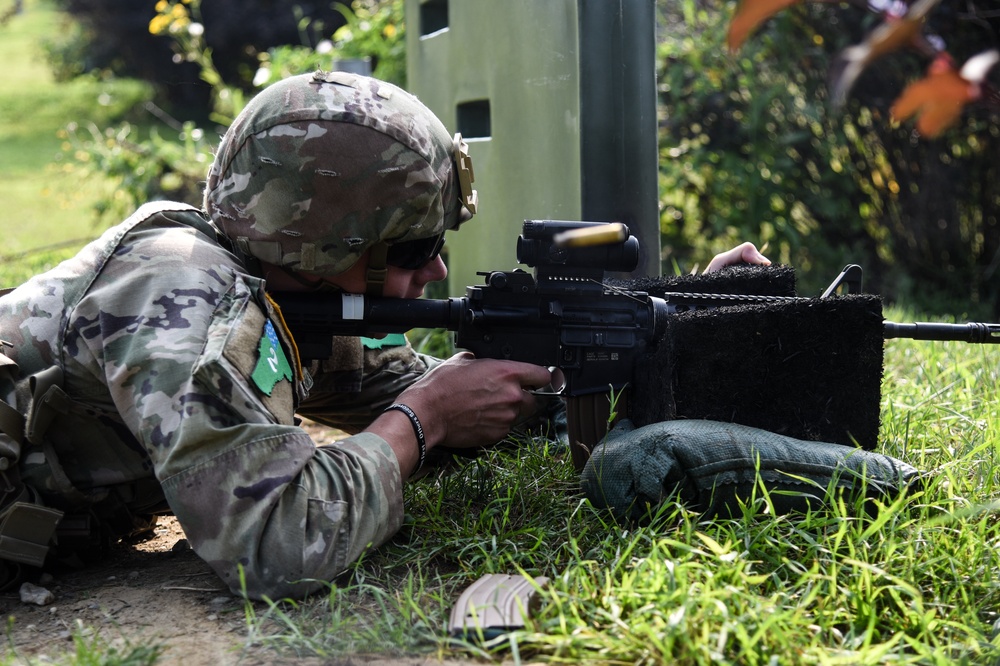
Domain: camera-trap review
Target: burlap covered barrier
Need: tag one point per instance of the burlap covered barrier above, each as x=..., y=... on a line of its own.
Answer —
x=810, y=369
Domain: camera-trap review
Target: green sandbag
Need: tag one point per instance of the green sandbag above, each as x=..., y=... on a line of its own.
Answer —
x=711, y=466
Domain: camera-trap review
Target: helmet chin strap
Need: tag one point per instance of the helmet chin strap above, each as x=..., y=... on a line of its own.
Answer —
x=377, y=270
x=315, y=286
x=375, y=275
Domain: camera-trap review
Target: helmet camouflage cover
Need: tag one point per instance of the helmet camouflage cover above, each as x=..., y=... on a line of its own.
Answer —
x=320, y=167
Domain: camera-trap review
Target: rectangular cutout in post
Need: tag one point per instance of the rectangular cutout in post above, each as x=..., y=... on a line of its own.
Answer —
x=433, y=17
x=474, y=119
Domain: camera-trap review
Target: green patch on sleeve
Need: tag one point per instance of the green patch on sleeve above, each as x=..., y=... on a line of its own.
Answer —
x=272, y=364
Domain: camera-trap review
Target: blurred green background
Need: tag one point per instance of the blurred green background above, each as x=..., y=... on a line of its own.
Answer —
x=98, y=115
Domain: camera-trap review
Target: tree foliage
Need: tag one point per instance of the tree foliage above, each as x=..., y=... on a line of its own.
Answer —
x=751, y=148
x=172, y=164
x=373, y=32
x=113, y=36
x=748, y=149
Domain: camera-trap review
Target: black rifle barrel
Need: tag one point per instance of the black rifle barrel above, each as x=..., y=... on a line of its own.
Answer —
x=973, y=332
x=345, y=314
x=348, y=314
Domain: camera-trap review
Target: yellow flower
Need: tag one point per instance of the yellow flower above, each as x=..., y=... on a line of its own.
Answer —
x=161, y=6
x=389, y=31
x=179, y=25
x=158, y=24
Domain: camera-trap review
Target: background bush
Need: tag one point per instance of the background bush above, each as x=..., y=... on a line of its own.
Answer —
x=750, y=147
x=113, y=36
x=169, y=160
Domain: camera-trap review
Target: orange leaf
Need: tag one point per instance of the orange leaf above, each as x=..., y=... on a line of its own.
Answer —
x=937, y=100
x=749, y=15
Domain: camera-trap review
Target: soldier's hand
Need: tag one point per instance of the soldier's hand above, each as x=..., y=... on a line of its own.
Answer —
x=745, y=253
x=468, y=402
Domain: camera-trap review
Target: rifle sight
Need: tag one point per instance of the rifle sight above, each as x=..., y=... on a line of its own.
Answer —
x=577, y=249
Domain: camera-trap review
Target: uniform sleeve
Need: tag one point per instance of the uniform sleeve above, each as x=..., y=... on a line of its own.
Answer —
x=187, y=361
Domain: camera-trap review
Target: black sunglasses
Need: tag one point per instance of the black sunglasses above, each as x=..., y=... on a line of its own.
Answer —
x=414, y=255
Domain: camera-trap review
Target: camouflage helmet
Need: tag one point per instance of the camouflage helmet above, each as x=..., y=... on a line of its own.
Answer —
x=318, y=168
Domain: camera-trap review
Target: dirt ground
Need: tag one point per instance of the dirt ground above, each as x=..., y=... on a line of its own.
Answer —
x=155, y=592
x=158, y=591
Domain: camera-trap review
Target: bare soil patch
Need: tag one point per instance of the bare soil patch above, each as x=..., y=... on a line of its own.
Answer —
x=157, y=592
x=154, y=593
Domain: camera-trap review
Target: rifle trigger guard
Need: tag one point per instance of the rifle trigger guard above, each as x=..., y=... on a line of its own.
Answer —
x=555, y=387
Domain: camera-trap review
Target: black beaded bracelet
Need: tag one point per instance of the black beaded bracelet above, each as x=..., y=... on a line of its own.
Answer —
x=418, y=430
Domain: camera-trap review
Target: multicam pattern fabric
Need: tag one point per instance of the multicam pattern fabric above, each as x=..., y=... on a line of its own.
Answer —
x=320, y=167
x=157, y=328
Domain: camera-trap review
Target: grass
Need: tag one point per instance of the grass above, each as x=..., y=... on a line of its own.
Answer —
x=44, y=202
x=919, y=583
x=916, y=583
x=91, y=649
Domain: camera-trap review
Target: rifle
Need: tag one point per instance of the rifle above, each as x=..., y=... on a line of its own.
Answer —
x=563, y=315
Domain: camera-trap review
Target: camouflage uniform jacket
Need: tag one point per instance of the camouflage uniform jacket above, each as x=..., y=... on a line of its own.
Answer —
x=180, y=385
